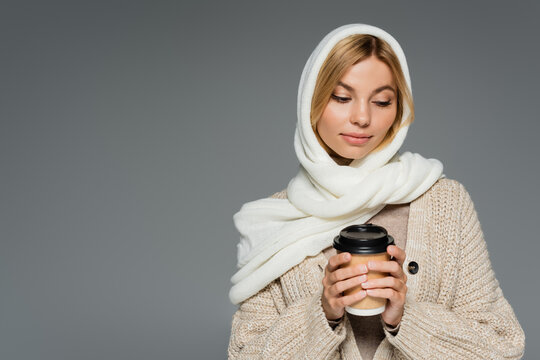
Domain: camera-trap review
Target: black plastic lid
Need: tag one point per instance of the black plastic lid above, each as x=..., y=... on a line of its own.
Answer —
x=363, y=239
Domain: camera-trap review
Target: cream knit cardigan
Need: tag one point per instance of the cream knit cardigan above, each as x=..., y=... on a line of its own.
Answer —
x=455, y=308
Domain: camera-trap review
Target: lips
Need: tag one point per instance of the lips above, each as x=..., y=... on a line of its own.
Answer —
x=357, y=135
x=357, y=139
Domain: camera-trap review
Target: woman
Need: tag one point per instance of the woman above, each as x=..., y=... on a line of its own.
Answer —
x=444, y=302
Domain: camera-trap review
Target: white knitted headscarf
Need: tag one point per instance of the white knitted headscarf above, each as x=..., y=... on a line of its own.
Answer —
x=324, y=197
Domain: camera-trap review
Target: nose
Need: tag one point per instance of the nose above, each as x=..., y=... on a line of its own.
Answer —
x=360, y=114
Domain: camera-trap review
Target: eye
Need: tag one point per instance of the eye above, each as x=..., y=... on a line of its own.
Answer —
x=382, y=103
x=340, y=99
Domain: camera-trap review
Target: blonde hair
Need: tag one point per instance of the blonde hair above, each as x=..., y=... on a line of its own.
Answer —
x=347, y=52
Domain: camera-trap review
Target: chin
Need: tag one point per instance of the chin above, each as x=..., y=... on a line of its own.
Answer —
x=352, y=156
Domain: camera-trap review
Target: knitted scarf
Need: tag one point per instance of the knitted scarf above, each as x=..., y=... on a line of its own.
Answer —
x=324, y=197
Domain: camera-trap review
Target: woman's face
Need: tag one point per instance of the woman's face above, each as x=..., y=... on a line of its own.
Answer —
x=361, y=110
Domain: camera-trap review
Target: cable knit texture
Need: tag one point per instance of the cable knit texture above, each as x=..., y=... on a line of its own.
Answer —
x=455, y=308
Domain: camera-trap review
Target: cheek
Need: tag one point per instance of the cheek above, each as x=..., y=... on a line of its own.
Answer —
x=331, y=117
x=335, y=112
x=387, y=119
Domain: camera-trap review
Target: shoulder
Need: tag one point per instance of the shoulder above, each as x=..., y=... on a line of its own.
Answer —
x=447, y=202
x=280, y=194
x=446, y=185
x=449, y=191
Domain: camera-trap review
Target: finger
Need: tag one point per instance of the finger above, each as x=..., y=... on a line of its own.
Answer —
x=398, y=253
x=386, y=293
x=347, y=272
x=391, y=267
x=341, y=286
x=351, y=299
x=336, y=260
x=386, y=282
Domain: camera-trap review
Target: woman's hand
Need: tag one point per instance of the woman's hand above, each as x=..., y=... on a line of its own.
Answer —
x=336, y=280
x=392, y=287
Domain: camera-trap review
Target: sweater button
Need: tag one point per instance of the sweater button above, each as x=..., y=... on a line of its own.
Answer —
x=412, y=267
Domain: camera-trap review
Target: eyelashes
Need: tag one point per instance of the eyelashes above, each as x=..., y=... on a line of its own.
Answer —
x=343, y=100
x=340, y=99
x=383, y=103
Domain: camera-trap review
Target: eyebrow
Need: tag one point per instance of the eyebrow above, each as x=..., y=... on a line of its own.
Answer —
x=377, y=90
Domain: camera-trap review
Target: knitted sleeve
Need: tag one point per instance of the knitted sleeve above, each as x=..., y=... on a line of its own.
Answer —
x=285, y=320
x=478, y=322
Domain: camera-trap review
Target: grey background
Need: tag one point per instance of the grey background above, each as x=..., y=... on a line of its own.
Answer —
x=131, y=132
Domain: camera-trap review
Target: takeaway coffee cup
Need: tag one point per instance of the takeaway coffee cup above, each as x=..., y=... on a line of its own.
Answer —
x=364, y=242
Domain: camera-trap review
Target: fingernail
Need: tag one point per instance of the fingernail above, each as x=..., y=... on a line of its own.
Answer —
x=366, y=284
x=362, y=268
x=371, y=264
x=362, y=278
